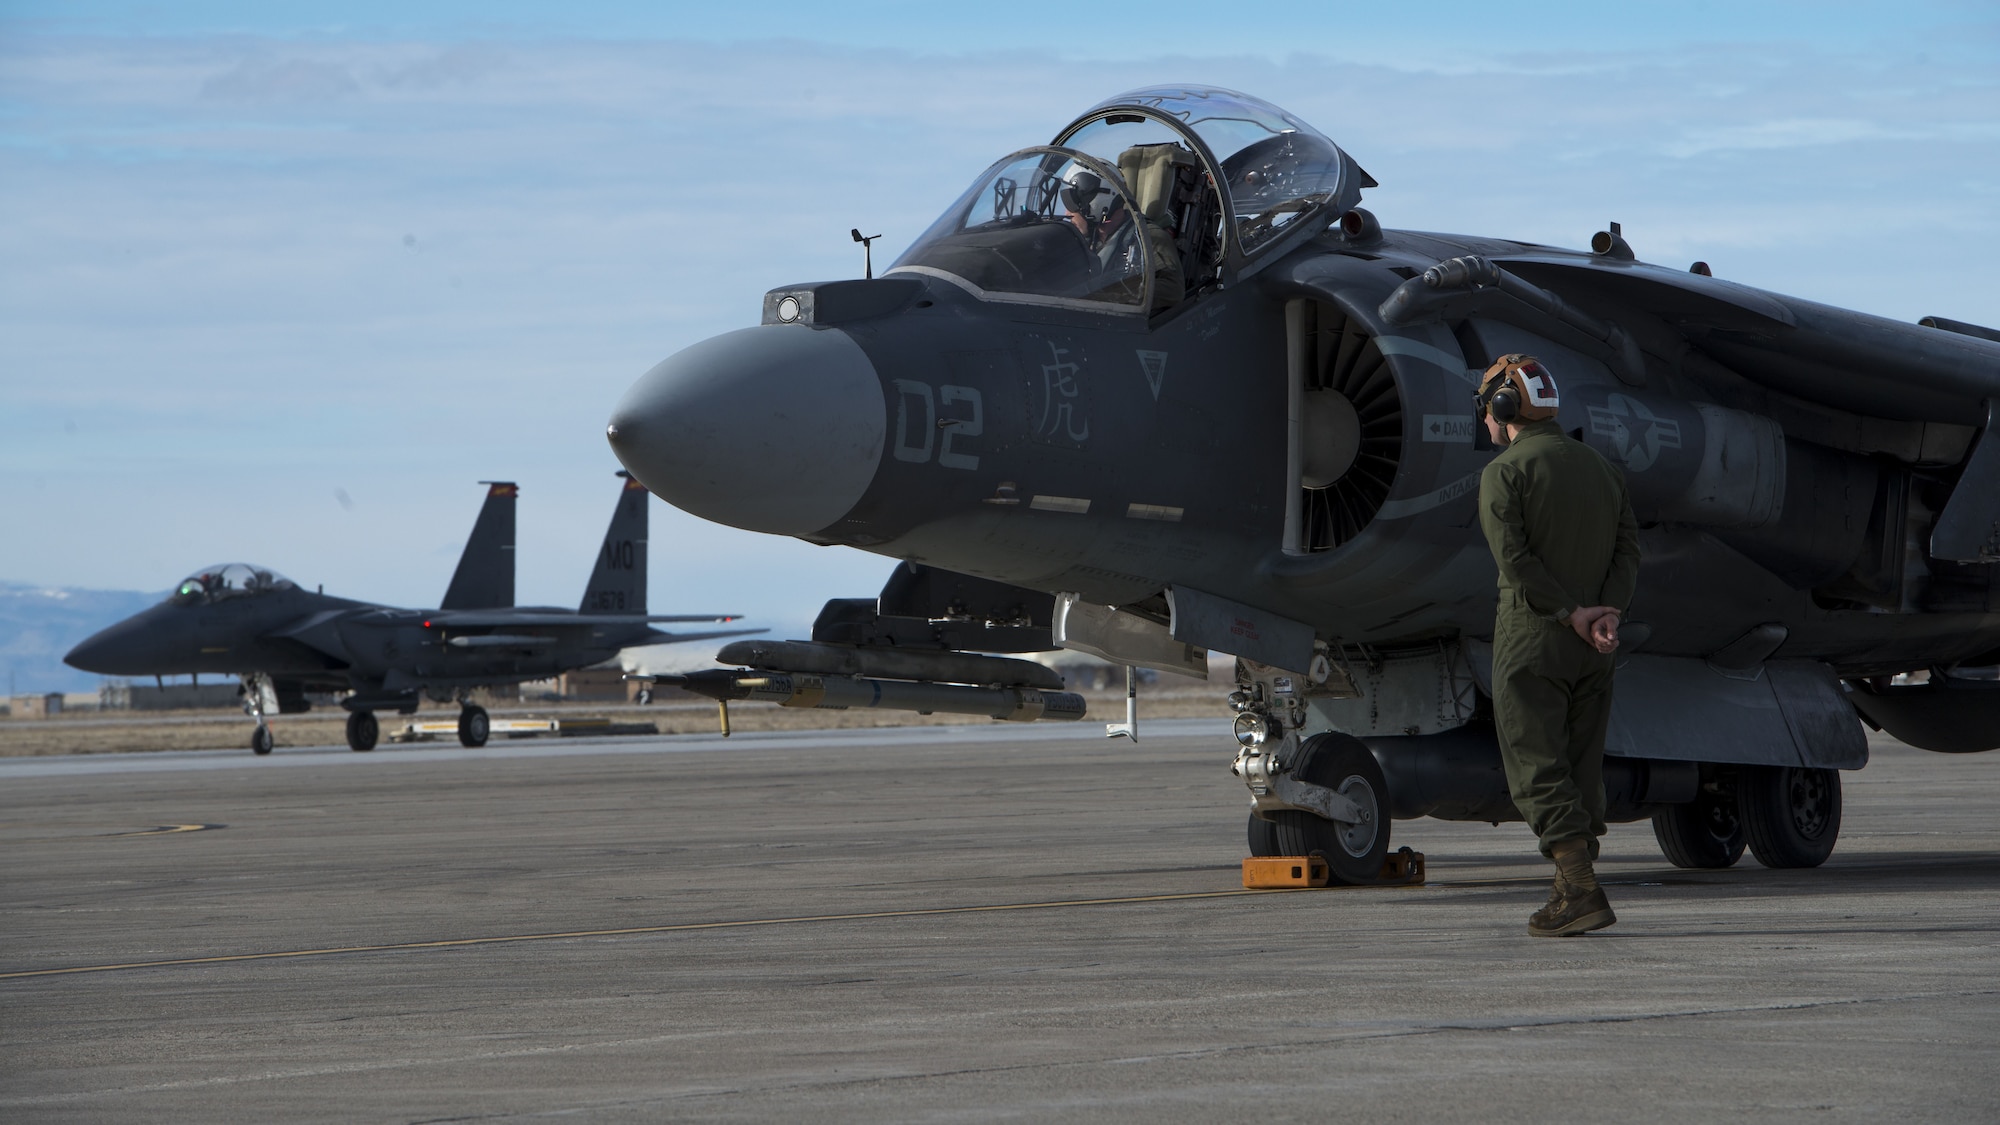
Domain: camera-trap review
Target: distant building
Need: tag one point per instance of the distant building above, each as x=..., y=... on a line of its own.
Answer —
x=596, y=685
x=36, y=706
x=122, y=695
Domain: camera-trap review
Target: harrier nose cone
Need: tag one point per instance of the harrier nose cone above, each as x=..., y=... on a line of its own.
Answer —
x=776, y=429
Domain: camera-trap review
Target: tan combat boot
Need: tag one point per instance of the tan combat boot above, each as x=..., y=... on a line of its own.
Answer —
x=1576, y=903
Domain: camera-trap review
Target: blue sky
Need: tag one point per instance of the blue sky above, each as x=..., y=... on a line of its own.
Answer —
x=281, y=282
x=1067, y=30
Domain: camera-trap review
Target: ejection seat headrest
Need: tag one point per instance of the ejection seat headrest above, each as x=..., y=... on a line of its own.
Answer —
x=1150, y=172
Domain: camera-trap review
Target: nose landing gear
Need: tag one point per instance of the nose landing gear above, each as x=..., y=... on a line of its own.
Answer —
x=1336, y=777
x=257, y=693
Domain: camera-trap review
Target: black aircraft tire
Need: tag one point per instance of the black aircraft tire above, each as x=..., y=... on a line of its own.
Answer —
x=260, y=740
x=1355, y=853
x=362, y=731
x=1263, y=836
x=473, y=727
x=1791, y=814
x=1704, y=833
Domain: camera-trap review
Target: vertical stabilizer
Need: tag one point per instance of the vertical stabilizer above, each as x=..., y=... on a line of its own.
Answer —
x=485, y=575
x=618, y=580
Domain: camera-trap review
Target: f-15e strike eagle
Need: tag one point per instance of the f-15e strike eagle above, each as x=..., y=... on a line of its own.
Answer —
x=1163, y=386
x=252, y=622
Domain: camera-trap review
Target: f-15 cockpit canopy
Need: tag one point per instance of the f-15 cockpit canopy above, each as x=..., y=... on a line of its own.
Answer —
x=228, y=580
x=1122, y=212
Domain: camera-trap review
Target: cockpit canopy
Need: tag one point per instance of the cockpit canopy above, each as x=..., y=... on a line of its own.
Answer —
x=1043, y=226
x=1278, y=169
x=1123, y=212
x=228, y=580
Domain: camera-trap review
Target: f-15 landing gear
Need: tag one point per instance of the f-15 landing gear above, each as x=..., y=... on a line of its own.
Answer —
x=362, y=731
x=473, y=726
x=256, y=692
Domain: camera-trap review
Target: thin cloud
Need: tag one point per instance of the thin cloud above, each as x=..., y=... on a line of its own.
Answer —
x=217, y=288
x=283, y=80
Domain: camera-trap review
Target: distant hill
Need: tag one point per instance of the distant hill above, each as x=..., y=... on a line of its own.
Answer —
x=40, y=623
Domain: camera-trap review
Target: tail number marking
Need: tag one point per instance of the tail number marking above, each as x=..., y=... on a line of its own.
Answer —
x=918, y=426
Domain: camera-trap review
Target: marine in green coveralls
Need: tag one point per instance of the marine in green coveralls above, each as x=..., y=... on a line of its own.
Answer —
x=1560, y=525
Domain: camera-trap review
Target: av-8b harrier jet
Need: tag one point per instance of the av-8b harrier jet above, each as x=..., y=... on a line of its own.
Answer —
x=252, y=622
x=1163, y=386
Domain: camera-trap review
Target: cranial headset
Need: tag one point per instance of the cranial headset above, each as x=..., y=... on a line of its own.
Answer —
x=1517, y=388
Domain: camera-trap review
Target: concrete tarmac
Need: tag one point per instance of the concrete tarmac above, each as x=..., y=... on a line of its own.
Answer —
x=942, y=924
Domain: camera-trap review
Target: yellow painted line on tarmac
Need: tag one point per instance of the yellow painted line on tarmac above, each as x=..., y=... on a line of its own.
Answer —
x=163, y=830
x=685, y=927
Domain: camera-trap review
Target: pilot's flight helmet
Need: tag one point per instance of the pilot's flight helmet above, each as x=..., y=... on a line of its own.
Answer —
x=1517, y=388
x=1085, y=193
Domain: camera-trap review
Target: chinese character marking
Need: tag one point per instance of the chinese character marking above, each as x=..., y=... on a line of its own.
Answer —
x=1060, y=389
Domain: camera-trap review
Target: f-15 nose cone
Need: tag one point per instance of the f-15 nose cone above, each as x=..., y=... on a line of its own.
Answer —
x=776, y=429
x=141, y=645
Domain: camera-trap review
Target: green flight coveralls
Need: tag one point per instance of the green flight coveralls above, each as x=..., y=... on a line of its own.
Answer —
x=1560, y=525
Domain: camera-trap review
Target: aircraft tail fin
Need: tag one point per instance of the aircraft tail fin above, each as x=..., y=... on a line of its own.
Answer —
x=618, y=578
x=485, y=575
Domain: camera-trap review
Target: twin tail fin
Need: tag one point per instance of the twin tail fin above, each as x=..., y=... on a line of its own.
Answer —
x=618, y=578
x=485, y=575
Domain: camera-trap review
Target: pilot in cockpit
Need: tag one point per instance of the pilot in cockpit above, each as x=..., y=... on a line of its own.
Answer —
x=1101, y=217
x=1094, y=209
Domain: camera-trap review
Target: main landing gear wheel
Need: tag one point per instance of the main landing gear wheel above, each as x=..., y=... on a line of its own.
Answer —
x=1705, y=833
x=473, y=726
x=1355, y=852
x=260, y=740
x=362, y=731
x=1790, y=813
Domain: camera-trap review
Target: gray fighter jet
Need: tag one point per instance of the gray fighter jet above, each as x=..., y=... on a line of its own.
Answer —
x=284, y=641
x=1163, y=386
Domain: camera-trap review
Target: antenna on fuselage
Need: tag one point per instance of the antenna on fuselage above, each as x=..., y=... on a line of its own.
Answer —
x=867, y=250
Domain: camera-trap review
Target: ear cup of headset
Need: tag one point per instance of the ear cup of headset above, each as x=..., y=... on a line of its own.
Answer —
x=1505, y=405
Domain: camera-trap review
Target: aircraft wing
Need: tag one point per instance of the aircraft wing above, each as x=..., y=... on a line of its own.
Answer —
x=512, y=618
x=1852, y=361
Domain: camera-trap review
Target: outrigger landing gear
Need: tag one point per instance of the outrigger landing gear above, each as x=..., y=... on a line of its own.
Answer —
x=362, y=731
